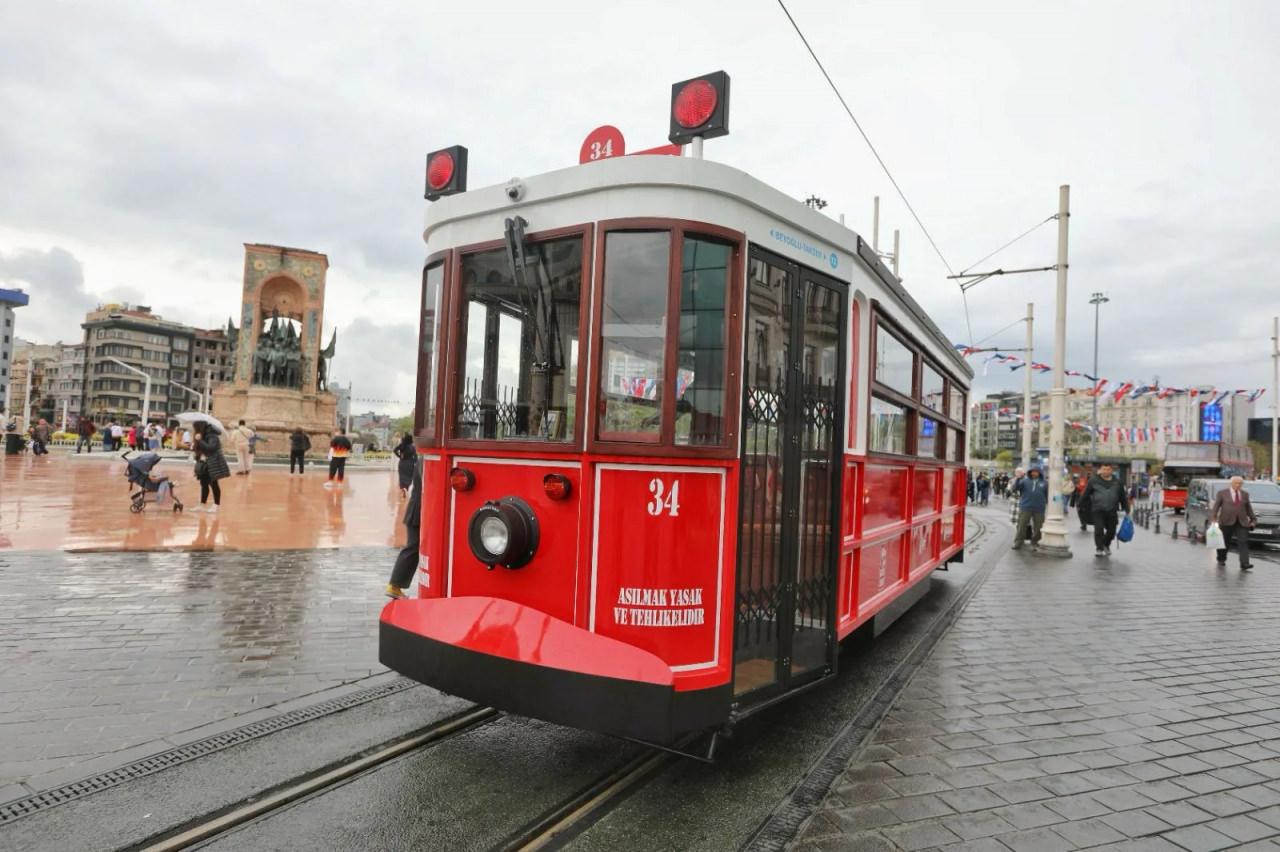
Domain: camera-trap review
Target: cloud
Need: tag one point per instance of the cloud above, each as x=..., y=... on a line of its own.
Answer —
x=378, y=360
x=54, y=280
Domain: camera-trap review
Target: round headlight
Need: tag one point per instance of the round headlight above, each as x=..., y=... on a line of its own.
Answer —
x=494, y=535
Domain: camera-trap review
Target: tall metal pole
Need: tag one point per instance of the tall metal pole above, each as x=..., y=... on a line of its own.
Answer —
x=1026, y=393
x=875, y=224
x=207, y=399
x=26, y=403
x=1053, y=537
x=896, y=258
x=1275, y=400
x=1097, y=301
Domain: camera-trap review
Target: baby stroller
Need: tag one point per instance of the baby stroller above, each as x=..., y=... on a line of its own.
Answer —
x=151, y=488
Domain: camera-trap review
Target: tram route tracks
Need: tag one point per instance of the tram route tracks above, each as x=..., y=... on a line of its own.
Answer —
x=220, y=823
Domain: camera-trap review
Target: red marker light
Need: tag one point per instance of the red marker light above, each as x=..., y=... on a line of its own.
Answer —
x=461, y=479
x=440, y=170
x=695, y=103
x=556, y=486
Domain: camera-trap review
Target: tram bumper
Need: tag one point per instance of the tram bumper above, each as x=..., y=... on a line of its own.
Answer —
x=518, y=659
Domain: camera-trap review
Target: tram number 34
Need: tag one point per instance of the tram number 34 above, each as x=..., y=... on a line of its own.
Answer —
x=601, y=150
x=665, y=501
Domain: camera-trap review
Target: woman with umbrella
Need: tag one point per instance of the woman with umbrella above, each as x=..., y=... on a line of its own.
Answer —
x=211, y=464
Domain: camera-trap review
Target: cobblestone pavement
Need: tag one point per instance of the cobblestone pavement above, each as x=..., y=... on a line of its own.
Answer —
x=1130, y=703
x=112, y=657
x=81, y=502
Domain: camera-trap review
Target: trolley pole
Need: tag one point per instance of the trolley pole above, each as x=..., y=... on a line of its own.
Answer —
x=1053, y=537
x=1097, y=301
x=1026, y=394
x=896, y=255
x=875, y=224
x=1275, y=400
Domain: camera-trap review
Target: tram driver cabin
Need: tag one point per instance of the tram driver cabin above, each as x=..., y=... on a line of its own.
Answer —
x=680, y=435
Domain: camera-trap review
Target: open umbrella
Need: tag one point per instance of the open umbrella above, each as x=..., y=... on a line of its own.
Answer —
x=200, y=417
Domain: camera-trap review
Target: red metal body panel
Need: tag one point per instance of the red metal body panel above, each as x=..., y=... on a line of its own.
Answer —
x=501, y=628
x=1175, y=498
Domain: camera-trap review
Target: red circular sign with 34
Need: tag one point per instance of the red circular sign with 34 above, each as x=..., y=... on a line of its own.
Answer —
x=601, y=144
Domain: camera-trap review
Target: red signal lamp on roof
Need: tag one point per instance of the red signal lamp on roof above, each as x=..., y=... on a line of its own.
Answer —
x=700, y=108
x=446, y=172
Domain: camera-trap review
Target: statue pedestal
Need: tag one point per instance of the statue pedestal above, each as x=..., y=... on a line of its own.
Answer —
x=275, y=412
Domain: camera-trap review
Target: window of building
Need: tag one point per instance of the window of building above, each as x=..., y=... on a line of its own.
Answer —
x=181, y=344
x=519, y=343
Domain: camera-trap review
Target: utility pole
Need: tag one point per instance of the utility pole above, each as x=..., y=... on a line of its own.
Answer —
x=896, y=254
x=875, y=224
x=1053, y=537
x=1275, y=400
x=207, y=400
x=1026, y=394
x=1097, y=301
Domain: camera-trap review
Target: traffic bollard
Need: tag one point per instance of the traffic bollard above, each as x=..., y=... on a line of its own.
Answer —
x=1157, y=523
x=1174, y=534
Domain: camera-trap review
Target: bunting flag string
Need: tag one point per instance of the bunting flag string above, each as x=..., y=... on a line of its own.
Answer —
x=1117, y=390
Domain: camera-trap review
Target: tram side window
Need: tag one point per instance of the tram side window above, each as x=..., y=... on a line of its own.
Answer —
x=427, y=335
x=700, y=368
x=927, y=442
x=895, y=362
x=634, y=333
x=521, y=344
x=888, y=427
x=931, y=388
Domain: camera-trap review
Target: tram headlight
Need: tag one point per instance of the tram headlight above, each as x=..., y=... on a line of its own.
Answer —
x=503, y=532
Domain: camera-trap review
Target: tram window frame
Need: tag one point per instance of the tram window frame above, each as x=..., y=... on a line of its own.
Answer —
x=664, y=442
x=429, y=394
x=455, y=342
x=883, y=323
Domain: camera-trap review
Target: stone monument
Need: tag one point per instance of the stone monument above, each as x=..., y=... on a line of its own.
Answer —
x=281, y=371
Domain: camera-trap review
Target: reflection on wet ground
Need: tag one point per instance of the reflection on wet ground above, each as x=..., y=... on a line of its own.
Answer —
x=68, y=502
x=105, y=652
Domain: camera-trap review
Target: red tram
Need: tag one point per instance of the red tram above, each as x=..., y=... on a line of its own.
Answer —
x=680, y=434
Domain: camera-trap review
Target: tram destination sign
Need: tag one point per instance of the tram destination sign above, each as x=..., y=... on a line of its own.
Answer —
x=805, y=247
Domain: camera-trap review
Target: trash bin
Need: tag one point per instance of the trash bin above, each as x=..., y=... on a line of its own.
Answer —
x=12, y=443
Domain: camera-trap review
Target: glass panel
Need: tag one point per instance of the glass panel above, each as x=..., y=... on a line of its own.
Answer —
x=700, y=367
x=931, y=388
x=427, y=363
x=634, y=333
x=957, y=407
x=888, y=427
x=894, y=362
x=927, y=444
x=519, y=337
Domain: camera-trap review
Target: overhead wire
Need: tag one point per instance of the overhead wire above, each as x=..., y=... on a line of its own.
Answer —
x=1025, y=233
x=865, y=138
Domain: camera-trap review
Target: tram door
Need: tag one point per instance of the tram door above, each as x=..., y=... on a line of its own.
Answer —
x=792, y=426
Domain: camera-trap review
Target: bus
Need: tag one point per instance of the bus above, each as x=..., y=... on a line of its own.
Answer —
x=1188, y=460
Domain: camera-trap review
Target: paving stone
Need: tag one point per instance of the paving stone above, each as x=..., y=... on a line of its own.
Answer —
x=923, y=835
x=1179, y=813
x=1221, y=804
x=1205, y=782
x=860, y=817
x=1030, y=815
x=1199, y=838
x=1036, y=840
x=1242, y=828
x=1259, y=795
x=1135, y=823
x=1082, y=806
x=914, y=785
x=918, y=807
x=1088, y=832
x=1016, y=792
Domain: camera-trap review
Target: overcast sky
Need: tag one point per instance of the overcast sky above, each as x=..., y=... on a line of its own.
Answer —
x=142, y=144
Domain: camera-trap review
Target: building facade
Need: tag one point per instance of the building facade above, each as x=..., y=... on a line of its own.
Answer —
x=995, y=424
x=119, y=335
x=32, y=368
x=9, y=300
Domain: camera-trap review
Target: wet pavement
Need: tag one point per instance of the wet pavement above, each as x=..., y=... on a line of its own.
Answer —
x=109, y=657
x=1125, y=703
x=66, y=501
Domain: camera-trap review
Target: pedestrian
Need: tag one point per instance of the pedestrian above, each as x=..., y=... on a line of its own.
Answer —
x=117, y=435
x=240, y=439
x=153, y=442
x=1033, y=499
x=1233, y=513
x=339, y=450
x=408, y=457
x=186, y=439
x=211, y=466
x=84, y=435
x=407, y=558
x=1157, y=493
x=1105, y=495
x=106, y=436
x=984, y=489
x=299, y=443
x=40, y=434
x=970, y=488
x=132, y=437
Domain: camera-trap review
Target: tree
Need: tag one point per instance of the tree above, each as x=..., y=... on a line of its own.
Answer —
x=1004, y=458
x=1261, y=457
x=403, y=424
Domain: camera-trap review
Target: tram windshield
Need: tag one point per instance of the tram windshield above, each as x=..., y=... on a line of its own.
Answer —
x=520, y=351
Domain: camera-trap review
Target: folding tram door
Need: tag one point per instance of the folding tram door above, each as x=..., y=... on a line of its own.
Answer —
x=792, y=445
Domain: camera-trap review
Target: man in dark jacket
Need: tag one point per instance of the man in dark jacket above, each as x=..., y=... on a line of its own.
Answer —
x=1233, y=512
x=1105, y=496
x=407, y=558
x=299, y=443
x=1033, y=499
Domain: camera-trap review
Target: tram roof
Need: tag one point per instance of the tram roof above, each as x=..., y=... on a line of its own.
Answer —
x=618, y=174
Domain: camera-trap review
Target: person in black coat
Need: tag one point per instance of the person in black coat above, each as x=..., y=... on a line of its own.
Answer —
x=299, y=443
x=407, y=558
x=408, y=456
x=211, y=465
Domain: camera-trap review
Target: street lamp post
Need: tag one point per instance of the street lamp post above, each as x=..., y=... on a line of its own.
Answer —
x=146, y=398
x=1053, y=537
x=199, y=396
x=1097, y=301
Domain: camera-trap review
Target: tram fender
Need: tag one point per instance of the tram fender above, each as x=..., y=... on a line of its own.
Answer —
x=521, y=660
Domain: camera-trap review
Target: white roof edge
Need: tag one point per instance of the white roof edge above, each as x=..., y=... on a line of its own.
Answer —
x=686, y=173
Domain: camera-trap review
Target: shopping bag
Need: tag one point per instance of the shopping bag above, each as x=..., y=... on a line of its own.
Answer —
x=1125, y=532
x=1213, y=537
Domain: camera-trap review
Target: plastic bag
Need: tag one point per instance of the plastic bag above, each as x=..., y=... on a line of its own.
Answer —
x=1213, y=537
x=1125, y=532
